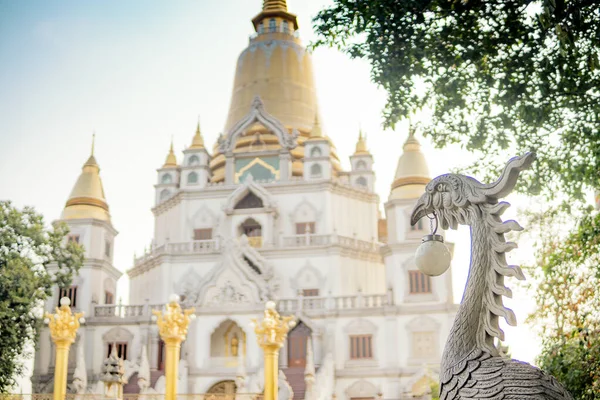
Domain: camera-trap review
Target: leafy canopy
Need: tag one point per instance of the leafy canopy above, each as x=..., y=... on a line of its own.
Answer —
x=499, y=75
x=27, y=252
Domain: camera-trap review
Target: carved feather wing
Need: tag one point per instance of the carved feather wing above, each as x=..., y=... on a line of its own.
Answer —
x=496, y=378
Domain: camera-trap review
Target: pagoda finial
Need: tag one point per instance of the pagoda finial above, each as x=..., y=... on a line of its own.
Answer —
x=93, y=142
x=171, y=160
x=197, y=141
x=275, y=5
x=361, y=144
x=316, y=131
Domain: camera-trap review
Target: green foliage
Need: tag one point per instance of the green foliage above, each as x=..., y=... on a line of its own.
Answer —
x=500, y=76
x=28, y=252
x=568, y=301
x=574, y=359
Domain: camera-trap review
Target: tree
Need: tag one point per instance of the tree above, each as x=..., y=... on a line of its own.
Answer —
x=499, y=75
x=27, y=250
x=569, y=304
x=506, y=76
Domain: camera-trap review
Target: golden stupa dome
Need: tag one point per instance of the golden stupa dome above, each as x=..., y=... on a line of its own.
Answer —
x=278, y=69
x=412, y=173
x=87, y=197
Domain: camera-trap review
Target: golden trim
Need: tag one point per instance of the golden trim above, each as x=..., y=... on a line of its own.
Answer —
x=252, y=163
x=411, y=180
x=87, y=201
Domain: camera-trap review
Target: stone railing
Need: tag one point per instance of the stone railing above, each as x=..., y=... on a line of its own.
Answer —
x=308, y=304
x=286, y=242
x=125, y=311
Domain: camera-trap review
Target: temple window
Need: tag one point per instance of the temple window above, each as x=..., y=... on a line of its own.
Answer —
x=109, y=298
x=252, y=229
x=361, y=347
x=316, y=171
x=164, y=195
x=71, y=293
x=419, y=282
x=166, y=178
x=161, y=355
x=272, y=25
x=121, y=349
x=193, y=160
x=107, y=248
x=285, y=27
x=305, y=227
x=316, y=152
x=73, y=238
x=361, y=164
x=310, y=292
x=203, y=234
x=192, y=177
x=261, y=28
x=249, y=201
x=361, y=181
x=423, y=344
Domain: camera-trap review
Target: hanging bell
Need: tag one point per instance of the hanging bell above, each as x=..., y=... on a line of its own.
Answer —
x=433, y=257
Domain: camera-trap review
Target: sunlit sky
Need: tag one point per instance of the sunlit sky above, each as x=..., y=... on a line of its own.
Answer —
x=139, y=72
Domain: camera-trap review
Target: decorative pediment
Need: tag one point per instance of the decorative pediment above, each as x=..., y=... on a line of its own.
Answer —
x=361, y=326
x=305, y=211
x=362, y=389
x=258, y=114
x=241, y=193
x=242, y=276
x=423, y=324
x=308, y=277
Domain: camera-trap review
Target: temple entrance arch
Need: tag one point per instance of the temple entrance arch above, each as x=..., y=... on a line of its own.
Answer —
x=297, y=342
x=227, y=343
x=223, y=387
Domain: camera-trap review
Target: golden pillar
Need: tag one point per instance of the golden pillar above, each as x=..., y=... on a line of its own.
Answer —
x=172, y=327
x=271, y=334
x=63, y=330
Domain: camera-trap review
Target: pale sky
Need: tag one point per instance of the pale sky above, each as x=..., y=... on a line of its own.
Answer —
x=139, y=72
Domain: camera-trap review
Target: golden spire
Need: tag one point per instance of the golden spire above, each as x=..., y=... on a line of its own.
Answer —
x=361, y=144
x=87, y=197
x=275, y=5
x=198, y=141
x=171, y=160
x=316, y=132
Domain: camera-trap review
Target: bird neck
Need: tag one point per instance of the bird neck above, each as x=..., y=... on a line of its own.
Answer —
x=462, y=339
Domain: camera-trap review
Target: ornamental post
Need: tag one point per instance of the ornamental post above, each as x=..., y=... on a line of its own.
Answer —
x=172, y=327
x=63, y=327
x=271, y=334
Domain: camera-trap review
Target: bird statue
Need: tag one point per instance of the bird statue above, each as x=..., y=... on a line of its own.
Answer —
x=472, y=365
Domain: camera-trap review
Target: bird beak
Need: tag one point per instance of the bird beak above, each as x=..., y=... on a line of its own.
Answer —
x=420, y=209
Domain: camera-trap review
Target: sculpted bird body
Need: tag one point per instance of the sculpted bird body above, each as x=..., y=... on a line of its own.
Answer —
x=472, y=367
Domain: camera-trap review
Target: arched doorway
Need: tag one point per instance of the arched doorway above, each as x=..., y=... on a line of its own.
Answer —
x=223, y=387
x=297, y=340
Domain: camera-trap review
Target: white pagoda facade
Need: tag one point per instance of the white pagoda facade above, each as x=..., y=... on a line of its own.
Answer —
x=268, y=214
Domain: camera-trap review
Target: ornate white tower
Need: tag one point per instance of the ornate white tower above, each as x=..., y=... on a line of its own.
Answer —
x=317, y=160
x=362, y=174
x=408, y=283
x=195, y=173
x=168, y=178
x=87, y=215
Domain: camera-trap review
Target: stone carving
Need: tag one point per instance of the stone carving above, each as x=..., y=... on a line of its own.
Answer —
x=79, y=384
x=472, y=366
x=228, y=294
